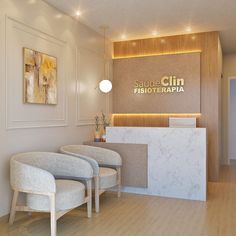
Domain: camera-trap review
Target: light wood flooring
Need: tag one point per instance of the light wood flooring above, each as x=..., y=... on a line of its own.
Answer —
x=137, y=215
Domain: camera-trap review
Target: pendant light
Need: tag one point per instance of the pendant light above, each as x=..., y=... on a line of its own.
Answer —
x=105, y=85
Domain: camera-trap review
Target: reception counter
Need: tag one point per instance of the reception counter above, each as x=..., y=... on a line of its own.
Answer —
x=177, y=160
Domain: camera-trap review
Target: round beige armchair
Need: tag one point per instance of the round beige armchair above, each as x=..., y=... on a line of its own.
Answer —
x=106, y=167
x=35, y=174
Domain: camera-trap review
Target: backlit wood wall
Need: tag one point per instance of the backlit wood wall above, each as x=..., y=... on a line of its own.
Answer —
x=208, y=44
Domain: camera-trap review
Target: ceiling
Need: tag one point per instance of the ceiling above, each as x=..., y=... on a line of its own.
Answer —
x=133, y=19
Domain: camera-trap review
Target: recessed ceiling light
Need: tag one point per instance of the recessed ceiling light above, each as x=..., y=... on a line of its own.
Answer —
x=123, y=36
x=188, y=29
x=31, y=1
x=78, y=13
x=58, y=16
x=154, y=33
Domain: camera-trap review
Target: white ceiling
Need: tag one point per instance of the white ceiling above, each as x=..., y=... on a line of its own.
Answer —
x=139, y=18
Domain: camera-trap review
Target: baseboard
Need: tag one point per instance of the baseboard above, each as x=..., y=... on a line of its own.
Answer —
x=4, y=218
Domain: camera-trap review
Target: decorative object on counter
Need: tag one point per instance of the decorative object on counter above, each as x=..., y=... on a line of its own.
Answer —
x=100, y=127
x=105, y=123
x=103, y=139
x=97, y=133
x=182, y=122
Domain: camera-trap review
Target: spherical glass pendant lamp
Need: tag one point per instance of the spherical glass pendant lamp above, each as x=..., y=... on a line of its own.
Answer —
x=105, y=85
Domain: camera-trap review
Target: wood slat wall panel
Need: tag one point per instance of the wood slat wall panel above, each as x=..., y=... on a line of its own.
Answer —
x=207, y=43
x=146, y=120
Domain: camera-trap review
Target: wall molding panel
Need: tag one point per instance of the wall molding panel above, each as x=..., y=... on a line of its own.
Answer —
x=17, y=36
x=87, y=90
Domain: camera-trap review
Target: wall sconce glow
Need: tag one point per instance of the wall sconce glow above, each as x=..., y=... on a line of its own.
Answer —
x=105, y=86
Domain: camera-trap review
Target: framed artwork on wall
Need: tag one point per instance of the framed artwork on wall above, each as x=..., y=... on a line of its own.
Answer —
x=40, y=77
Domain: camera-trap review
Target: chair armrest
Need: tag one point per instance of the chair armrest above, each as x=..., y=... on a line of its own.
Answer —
x=28, y=178
x=71, y=166
x=91, y=161
x=104, y=157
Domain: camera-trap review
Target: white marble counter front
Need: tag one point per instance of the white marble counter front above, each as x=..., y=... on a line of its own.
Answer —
x=177, y=159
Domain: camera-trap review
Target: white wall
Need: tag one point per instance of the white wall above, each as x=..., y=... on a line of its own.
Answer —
x=79, y=50
x=232, y=123
x=229, y=70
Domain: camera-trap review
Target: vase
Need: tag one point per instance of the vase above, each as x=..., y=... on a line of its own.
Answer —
x=97, y=136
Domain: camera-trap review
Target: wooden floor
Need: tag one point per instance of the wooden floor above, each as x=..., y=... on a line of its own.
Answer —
x=135, y=215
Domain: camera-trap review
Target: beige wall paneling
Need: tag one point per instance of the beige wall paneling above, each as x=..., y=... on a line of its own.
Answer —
x=39, y=127
x=229, y=72
x=90, y=73
x=208, y=44
x=18, y=36
x=131, y=71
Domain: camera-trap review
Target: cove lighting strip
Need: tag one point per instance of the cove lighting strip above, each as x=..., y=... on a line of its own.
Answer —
x=155, y=54
x=157, y=114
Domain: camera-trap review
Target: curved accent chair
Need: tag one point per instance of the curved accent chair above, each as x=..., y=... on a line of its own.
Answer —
x=106, y=167
x=35, y=173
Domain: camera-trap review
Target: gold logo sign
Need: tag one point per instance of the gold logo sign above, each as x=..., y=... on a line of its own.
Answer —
x=167, y=84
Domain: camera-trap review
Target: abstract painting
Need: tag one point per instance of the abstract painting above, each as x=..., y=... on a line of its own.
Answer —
x=40, y=77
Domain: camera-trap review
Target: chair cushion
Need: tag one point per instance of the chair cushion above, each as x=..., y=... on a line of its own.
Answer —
x=107, y=177
x=69, y=194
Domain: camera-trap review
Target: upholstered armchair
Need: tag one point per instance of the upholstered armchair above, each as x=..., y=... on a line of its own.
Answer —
x=106, y=167
x=35, y=173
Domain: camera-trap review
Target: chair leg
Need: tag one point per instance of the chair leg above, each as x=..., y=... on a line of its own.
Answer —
x=118, y=181
x=89, y=194
x=13, y=207
x=53, y=215
x=96, y=186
